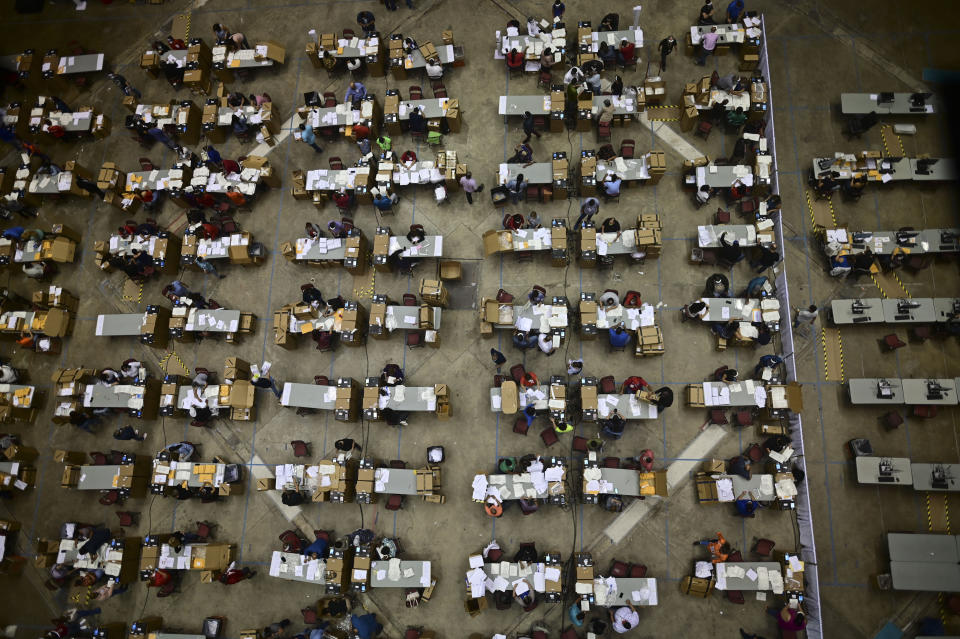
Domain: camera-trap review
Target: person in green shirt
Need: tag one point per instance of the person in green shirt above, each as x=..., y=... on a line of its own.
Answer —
x=736, y=118
x=385, y=143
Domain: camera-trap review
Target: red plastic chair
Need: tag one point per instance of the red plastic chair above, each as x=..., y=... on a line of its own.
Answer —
x=608, y=385
x=521, y=427
x=517, y=372
x=439, y=91
x=627, y=148
x=110, y=498
x=291, y=541
x=99, y=459
x=735, y=596
x=310, y=616
x=494, y=555
x=925, y=411
x=763, y=547
x=549, y=436
x=503, y=297
x=611, y=462
x=324, y=340
x=126, y=518
x=603, y=132
x=329, y=99
x=638, y=571
x=415, y=339
x=394, y=502
x=300, y=448
x=409, y=299
x=336, y=164
x=754, y=453
x=703, y=129
x=718, y=416
x=744, y=418
x=146, y=164
x=579, y=443
x=891, y=342
x=619, y=569
x=398, y=463
x=321, y=380
x=204, y=530
x=416, y=93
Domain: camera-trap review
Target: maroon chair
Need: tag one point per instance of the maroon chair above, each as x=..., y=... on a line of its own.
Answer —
x=718, y=416
x=517, y=371
x=611, y=462
x=632, y=299
x=892, y=420
x=291, y=541
x=398, y=463
x=415, y=339
x=498, y=381
x=736, y=556
x=99, y=459
x=891, y=342
x=763, y=547
x=608, y=385
x=718, y=373
x=638, y=571
x=528, y=507
x=735, y=596
x=549, y=436
x=322, y=534
x=538, y=634
x=721, y=217
x=494, y=555
x=412, y=633
x=146, y=164
x=126, y=518
x=329, y=99
x=110, y=497
x=324, y=340
x=521, y=427
x=204, y=530
x=754, y=453
x=416, y=93
x=627, y=149
x=744, y=418
x=925, y=411
x=439, y=91
x=503, y=297
x=394, y=502
x=619, y=569
x=409, y=299
x=603, y=132
x=703, y=129
x=321, y=380
x=310, y=616
x=227, y=224
x=570, y=633
x=300, y=448
x=167, y=589
x=921, y=333
x=580, y=444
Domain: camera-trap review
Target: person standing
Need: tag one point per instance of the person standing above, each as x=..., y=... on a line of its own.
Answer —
x=307, y=136
x=498, y=358
x=734, y=10
x=367, y=22
x=124, y=86
x=666, y=47
x=708, y=44
x=706, y=14
x=234, y=575
x=806, y=316
x=127, y=433
x=205, y=266
x=469, y=186
x=589, y=208
x=558, y=9
x=529, y=126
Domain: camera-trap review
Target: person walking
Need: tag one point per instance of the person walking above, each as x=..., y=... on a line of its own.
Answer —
x=708, y=44
x=124, y=86
x=666, y=47
x=307, y=136
x=529, y=126
x=205, y=266
x=498, y=358
x=806, y=316
x=469, y=186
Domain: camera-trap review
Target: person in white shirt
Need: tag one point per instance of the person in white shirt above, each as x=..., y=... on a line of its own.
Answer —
x=434, y=71
x=8, y=374
x=545, y=342
x=624, y=618
x=533, y=220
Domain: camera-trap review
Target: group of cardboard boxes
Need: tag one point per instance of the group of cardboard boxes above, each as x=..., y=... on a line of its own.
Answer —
x=166, y=248
x=178, y=325
x=58, y=245
x=237, y=392
x=355, y=257
x=237, y=253
x=209, y=558
x=24, y=475
x=780, y=397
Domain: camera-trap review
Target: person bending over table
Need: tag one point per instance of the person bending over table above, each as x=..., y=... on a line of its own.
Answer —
x=624, y=618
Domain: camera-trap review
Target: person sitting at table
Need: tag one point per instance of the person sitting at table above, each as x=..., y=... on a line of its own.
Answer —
x=382, y=203
x=317, y=549
x=788, y=619
x=664, y=398
x=395, y=417
x=523, y=593
x=607, y=54
x=627, y=52
x=732, y=83
x=418, y=123
x=718, y=547
x=524, y=340
x=862, y=263
x=523, y=155
x=610, y=22
x=853, y=189
x=611, y=186
x=416, y=235
x=702, y=195
x=633, y=384
x=391, y=375
x=517, y=187
x=355, y=93
x=109, y=377
x=291, y=498
x=176, y=43
x=717, y=111
x=55, y=130
x=313, y=231
x=514, y=60
x=731, y=253
x=736, y=118
x=545, y=342
x=826, y=184
x=624, y=618
x=533, y=221
x=746, y=507
x=547, y=59
x=739, y=466
x=183, y=450
x=513, y=222
x=593, y=81
x=619, y=337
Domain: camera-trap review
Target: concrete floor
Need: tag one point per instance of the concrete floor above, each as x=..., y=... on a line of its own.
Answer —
x=816, y=52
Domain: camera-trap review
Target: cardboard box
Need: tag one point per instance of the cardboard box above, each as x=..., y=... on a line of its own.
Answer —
x=695, y=395
x=588, y=312
x=70, y=477
x=273, y=51
x=588, y=398
x=266, y=483
x=508, y=397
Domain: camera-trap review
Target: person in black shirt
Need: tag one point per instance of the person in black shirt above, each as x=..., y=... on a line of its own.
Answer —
x=706, y=14
x=610, y=225
x=666, y=47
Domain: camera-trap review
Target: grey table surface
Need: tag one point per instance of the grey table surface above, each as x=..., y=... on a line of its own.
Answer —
x=411, y=399
x=740, y=392
x=97, y=477
x=307, y=396
x=843, y=313
x=536, y=173
x=924, y=312
x=105, y=397
x=431, y=246
x=727, y=33
x=227, y=316
x=334, y=254
x=945, y=169
x=81, y=63
x=863, y=390
x=636, y=169
x=734, y=232
x=944, y=307
x=625, y=481
x=868, y=471
x=626, y=586
x=119, y=324
x=915, y=392
x=644, y=410
x=923, y=547
x=745, y=583
x=923, y=477
x=517, y=104
x=183, y=394
x=430, y=108
x=400, y=481
x=724, y=177
x=404, y=313
x=925, y=576
x=151, y=180
x=283, y=565
x=863, y=103
x=740, y=309
x=420, y=569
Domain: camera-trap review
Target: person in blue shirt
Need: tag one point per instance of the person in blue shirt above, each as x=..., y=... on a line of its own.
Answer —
x=558, y=9
x=366, y=626
x=383, y=203
x=755, y=287
x=536, y=296
x=611, y=186
x=524, y=341
x=619, y=338
x=13, y=233
x=746, y=507
x=523, y=155
x=734, y=10
x=309, y=137
x=318, y=549
x=355, y=93
x=767, y=361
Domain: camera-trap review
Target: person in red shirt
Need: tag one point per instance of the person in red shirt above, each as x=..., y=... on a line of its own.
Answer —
x=147, y=197
x=230, y=166
x=408, y=158
x=361, y=131
x=236, y=197
x=176, y=43
x=633, y=384
x=626, y=54
x=232, y=575
x=55, y=130
x=514, y=59
x=343, y=200
x=159, y=578
x=210, y=231
x=206, y=200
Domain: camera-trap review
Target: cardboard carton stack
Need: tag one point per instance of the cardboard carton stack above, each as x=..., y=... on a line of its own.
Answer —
x=588, y=246
x=650, y=235
x=558, y=101
x=348, y=395
x=197, y=74
x=561, y=174
x=443, y=401
x=658, y=166
x=588, y=316
x=585, y=111
x=353, y=325
x=584, y=582
x=433, y=292
x=654, y=90
x=558, y=242
x=649, y=341
x=695, y=396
